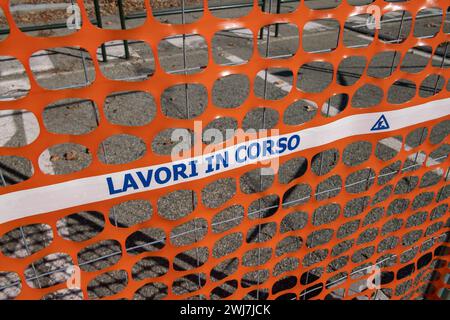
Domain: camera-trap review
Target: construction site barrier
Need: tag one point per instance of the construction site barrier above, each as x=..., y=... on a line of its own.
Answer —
x=383, y=231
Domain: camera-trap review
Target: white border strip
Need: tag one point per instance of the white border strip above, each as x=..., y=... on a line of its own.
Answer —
x=26, y=203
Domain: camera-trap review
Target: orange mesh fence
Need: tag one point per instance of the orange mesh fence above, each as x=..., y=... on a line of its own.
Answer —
x=337, y=212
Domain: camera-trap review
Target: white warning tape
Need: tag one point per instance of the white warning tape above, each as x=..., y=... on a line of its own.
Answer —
x=25, y=203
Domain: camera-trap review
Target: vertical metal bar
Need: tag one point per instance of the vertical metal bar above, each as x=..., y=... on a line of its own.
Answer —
x=368, y=179
x=25, y=242
x=98, y=17
x=263, y=5
x=321, y=154
x=277, y=26
x=263, y=8
x=328, y=107
x=423, y=129
x=124, y=27
x=307, y=272
x=2, y=178
x=446, y=240
x=441, y=66
x=83, y=61
x=102, y=146
x=196, y=238
x=398, y=39
x=260, y=173
x=188, y=114
x=27, y=249
x=266, y=71
x=417, y=154
x=29, y=254
x=395, y=54
x=401, y=26
x=320, y=173
x=438, y=198
x=97, y=120
x=186, y=88
x=434, y=92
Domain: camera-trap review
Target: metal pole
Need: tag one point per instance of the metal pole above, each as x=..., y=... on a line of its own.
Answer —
x=263, y=8
x=188, y=114
x=98, y=17
x=124, y=27
x=444, y=56
x=260, y=172
x=277, y=26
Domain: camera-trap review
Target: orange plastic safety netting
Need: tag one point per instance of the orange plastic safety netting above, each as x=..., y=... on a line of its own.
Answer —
x=367, y=197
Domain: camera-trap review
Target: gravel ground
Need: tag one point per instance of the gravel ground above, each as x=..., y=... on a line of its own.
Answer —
x=77, y=117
